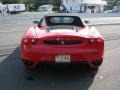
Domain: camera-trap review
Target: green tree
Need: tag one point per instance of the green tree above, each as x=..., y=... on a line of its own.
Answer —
x=111, y=4
x=9, y=1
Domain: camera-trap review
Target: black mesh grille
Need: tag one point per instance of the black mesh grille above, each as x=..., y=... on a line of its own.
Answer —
x=62, y=42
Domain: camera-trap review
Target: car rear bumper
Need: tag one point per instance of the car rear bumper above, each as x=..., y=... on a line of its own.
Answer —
x=40, y=55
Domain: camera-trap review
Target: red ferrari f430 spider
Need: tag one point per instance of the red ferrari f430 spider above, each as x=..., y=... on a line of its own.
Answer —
x=62, y=38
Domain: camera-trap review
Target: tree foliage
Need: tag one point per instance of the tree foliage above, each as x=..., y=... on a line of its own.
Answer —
x=9, y=1
x=36, y=3
x=111, y=3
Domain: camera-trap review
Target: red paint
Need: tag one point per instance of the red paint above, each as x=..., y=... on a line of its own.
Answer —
x=40, y=52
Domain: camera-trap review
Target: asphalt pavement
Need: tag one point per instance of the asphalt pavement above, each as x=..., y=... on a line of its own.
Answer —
x=29, y=17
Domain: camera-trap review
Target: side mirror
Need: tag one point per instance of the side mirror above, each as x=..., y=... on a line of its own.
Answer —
x=87, y=22
x=35, y=22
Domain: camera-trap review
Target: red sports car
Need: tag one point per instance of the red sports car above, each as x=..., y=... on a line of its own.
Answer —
x=62, y=38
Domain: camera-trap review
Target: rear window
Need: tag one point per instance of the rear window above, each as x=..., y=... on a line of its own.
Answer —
x=61, y=20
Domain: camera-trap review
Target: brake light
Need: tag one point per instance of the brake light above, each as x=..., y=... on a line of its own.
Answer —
x=99, y=40
x=25, y=41
x=92, y=41
x=33, y=41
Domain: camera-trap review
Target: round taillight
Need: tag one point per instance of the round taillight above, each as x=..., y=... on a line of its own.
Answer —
x=92, y=40
x=25, y=41
x=99, y=40
x=33, y=40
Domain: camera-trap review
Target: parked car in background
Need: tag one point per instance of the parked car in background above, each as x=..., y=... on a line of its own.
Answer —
x=112, y=11
x=108, y=11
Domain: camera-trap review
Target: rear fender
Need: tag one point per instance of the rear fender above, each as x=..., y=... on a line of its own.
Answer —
x=30, y=32
x=95, y=34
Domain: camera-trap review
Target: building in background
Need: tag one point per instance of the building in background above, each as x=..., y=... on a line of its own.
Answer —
x=83, y=6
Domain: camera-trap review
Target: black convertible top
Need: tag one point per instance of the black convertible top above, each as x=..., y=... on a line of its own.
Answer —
x=55, y=18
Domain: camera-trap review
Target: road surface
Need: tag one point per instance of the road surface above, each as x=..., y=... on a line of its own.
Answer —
x=13, y=76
